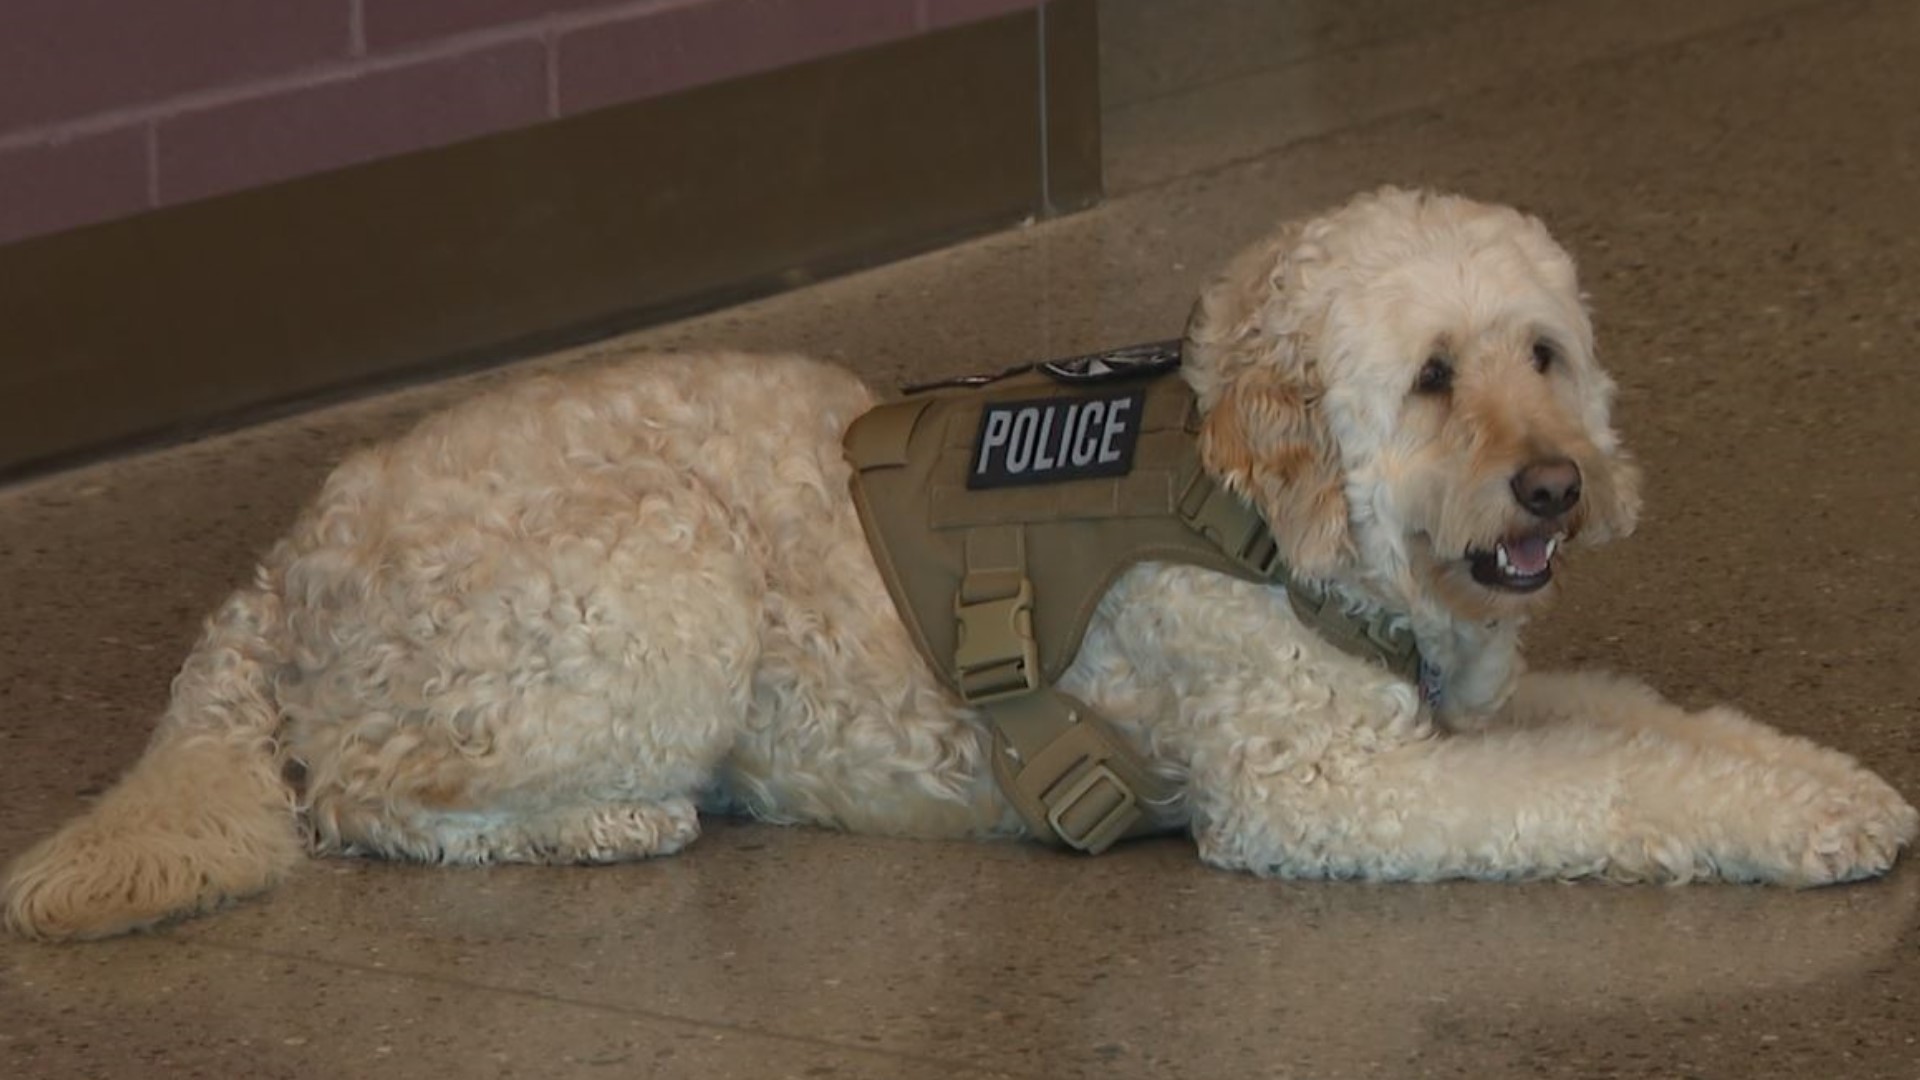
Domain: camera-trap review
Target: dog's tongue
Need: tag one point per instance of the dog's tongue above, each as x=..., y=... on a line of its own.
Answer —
x=1527, y=555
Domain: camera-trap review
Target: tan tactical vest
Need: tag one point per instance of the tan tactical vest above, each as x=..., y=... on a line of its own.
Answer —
x=1001, y=509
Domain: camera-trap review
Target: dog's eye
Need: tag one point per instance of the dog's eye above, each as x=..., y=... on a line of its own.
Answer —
x=1436, y=376
x=1544, y=354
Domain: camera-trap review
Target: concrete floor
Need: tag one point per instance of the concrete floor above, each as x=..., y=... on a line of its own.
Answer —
x=1737, y=179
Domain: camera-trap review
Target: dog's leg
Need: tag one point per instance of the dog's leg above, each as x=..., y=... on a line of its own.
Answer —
x=533, y=739
x=1609, y=700
x=591, y=834
x=1307, y=763
x=1602, y=700
x=602, y=771
x=1551, y=800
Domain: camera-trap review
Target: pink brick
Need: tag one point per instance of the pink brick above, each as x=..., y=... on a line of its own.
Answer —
x=677, y=47
x=62, y=59
x=943, y=13
x=48, y=187
x=347, y=121
x=402, y=22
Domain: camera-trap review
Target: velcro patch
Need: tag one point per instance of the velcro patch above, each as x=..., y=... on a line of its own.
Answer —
x=1050, y=440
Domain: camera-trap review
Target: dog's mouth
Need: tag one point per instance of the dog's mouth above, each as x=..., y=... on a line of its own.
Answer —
x=1518, y=564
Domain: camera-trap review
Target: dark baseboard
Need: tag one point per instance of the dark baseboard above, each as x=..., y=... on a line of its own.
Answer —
x=202, y=316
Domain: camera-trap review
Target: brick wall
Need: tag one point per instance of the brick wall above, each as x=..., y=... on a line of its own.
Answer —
x=112, y=107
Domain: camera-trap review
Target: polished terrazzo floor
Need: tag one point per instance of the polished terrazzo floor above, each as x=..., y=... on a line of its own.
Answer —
x=1737, y=178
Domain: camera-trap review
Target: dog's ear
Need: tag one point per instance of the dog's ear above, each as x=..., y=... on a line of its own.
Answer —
x=1250, y=357
x=1614, y=495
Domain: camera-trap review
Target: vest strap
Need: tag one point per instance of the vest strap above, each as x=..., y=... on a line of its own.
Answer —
x=1072, y=778
x=1368, y=639
x=1233, y=526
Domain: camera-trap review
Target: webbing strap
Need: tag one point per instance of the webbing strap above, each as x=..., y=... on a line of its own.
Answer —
x=1238, y=530
x=1233, y=526
x=1368, y=639
x=1073, y=779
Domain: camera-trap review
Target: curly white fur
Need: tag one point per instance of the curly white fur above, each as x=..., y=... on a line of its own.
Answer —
x=558, y=623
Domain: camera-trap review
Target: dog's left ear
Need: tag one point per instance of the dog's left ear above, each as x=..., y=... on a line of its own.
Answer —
x=1250, y=358
x=1613, y=492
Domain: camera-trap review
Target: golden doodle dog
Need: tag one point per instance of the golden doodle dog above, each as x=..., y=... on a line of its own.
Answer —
x=558, y=623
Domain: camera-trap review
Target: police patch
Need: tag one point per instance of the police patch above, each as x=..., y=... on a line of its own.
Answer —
x=1050, y=440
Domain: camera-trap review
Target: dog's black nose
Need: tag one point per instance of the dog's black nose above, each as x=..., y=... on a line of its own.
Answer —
x=1548, y=488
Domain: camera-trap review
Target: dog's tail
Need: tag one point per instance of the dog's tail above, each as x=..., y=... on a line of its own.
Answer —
x=202, y=818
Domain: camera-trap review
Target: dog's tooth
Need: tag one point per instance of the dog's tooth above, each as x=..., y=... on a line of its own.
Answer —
x=1553, y=545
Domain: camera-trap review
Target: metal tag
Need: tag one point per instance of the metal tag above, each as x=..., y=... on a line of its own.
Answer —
x=1126, y=362
x=1129, y=362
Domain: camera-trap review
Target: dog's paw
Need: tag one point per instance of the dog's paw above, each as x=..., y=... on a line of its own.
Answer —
x=1737, y=819
x=1848, y=832
x=635, y=830
x=1798, y=813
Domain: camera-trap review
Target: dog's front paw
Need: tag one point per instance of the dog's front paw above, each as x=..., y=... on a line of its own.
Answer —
x=1858, y=833
x=1828, y=832
x=1728, y=816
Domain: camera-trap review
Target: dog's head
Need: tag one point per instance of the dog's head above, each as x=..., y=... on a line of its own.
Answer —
x=1407, y=389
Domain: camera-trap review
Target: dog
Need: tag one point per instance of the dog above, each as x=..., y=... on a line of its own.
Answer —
x=558, y=623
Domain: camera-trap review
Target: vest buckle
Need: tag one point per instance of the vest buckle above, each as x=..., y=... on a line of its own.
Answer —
x=1091, y=809
x=996, y=656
